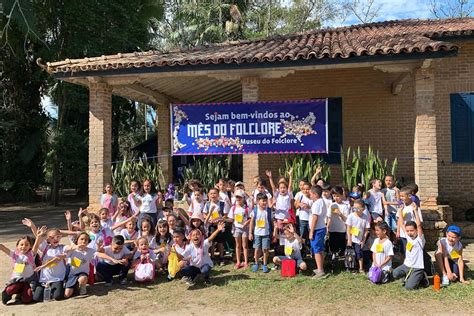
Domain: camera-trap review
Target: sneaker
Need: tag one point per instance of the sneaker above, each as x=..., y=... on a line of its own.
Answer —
x=83, y=289
x=319, y=275
x=108, y=284
x=445, y=281
x=5, y=297
x=221, y=263
x=123, y=281
x=255, y=267
x=275, y=267
x=265, y=268
x=207, y=282
x=189, y=281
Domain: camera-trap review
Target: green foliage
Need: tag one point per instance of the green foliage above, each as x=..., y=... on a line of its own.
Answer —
x=358, y=168
x=208, y=170
x=132, y=168
x=304, y=167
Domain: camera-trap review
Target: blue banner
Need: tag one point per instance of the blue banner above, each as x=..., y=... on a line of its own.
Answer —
x=249, y=128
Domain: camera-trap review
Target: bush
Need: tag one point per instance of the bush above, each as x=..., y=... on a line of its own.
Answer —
x=208, y=170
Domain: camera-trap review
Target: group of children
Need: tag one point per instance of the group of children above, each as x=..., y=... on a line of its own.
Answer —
x=146, y=233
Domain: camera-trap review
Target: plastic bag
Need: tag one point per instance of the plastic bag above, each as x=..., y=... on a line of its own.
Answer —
x=173, y=265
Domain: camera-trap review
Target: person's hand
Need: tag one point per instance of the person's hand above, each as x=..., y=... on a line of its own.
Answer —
x=452, y=276
x=251, y=236
x=362, y=244
x=290, y=171
x=221, y=226
x=311, y=235
x=38, y=269
x=319, y=169
x=42, y=231
x=397, y=235
x=27, y=222
x=123, y=261
x=67, y=214
x=268, y=173
x=291, y=228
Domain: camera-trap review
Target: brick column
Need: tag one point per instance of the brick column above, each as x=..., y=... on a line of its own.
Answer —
x=100, y=140
x=164, y=141
x=250, y=163
x=425, y=148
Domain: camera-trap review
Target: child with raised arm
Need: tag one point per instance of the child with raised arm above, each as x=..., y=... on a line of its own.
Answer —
x=358, y=224
x=109, y=200
x=412, y=268
x=449, y=256
x=115, y=260
x=317, y=230
x=260, y=231
x=382, y=251
x=293, y=244
x=23, y=261
x=197, y=253
x=376, y=201
x=406, y=213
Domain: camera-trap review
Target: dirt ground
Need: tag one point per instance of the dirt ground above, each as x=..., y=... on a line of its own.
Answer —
x=231, y=293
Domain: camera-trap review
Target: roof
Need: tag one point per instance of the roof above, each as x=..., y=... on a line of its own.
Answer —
x=400, y=37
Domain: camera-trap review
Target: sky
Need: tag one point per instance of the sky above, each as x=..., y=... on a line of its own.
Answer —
x=390, y=10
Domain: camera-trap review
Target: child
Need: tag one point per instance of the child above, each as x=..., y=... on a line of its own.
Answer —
x=53, y=267
x=239, y=215
x=194, y=185
x=98, y=236
x=317, y=230
x=108, y=199
x=293, y=244
x=303, y=204
x=134, y=187
x=143, y=252
x=406, y=213
x=161, y=243
x=216, y=211
x=261, y=227
x=123, y=213
x=148, y=201
x=23, y=261
x=197, y=253
x=105, y=221
x=130, y=234
x=80, y=258
x=413, y=191
x=392, y=196
x=449, y=256
x=114, y=261
x=147, y=229
x=197, y=202
x=413, y=266
x=282, y=198
x=327, y=198
x=357, y=231
x=180, y=246
x=382, y=250
x=336, y=222
x=172, y=222
x=248, y=201
x=376, y=201
x=260, y=187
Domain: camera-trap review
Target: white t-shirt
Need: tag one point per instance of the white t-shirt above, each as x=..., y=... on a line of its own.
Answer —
x=375, y=201
x=382, y=251
x=453, y=252
x=390, y=196
x=56, y=271
x=23, y=264
x=196, y=206
x=292, y=249
x=304, y=214
x=256, y=192
x=408, y=215
x=151, y=255
x=319, y=208
x=198, y=257
x=337, y=225
x=118, y=256
x=282, y=205
x=80, y=260
x=327, y=201
x=127, y=236
x=148, y=203
x=414, y=252
x=262, y=227
x=358, y=226
x=107, y=223
x=239, y=214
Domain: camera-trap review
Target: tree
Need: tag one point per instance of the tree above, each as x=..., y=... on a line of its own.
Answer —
x=451, y=8
x=365, y=11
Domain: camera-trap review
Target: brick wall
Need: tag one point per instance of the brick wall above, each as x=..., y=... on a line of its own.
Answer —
x=164, y=142
x=453, y=75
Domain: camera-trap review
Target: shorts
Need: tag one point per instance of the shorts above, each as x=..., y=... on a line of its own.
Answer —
x=72, y=279
x=454, y=266
x=298, y=261
x=317, y=244
x=241, y=232
x=262, y=242
x=358, y=251
x=220, y=238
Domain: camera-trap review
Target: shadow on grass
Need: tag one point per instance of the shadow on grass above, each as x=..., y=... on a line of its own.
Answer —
x=222, y=280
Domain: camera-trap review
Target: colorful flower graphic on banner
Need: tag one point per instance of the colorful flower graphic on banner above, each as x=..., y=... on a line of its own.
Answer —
x=299, y=128
x=179, y=116
x=223, y=142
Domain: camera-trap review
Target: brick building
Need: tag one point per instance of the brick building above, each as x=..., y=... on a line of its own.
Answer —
x=405, y=88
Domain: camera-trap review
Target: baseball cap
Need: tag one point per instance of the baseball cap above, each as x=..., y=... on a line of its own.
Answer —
x=354, y=195
x=240, y=193
x=454, y=229
x=239, y=183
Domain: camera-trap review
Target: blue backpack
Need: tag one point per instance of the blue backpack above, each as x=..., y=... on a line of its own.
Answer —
x=269, y=218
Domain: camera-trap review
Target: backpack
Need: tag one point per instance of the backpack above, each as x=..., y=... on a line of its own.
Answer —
x=428, y=264
x=349, y=258
x=145, y=271
x=288, y=268
x=269, y=218
x=375, y=275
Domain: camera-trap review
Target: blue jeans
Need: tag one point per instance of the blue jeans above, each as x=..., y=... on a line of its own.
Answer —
x=391, y=220
x=304, y=229
x=108, y=270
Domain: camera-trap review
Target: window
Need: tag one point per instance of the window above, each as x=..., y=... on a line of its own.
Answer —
x=334, y=131
x=462, y=127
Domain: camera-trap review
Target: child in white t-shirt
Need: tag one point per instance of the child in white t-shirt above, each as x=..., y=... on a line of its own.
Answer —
x=292, y=248
x=336, y=222
x=317, y=230
x=240, y=217
x=115, y=260
x=358, y=225
x=412, y=268
x=143, y=252
x=406, y=213
x=376, y=201
x=449, y=256
x=303, y=205
x=261, y=227
x=382, y=251
x=392, y=197
x=282, y=201
x=197, y=202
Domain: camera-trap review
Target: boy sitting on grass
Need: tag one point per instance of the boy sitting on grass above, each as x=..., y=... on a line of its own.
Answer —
x=293, y=245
